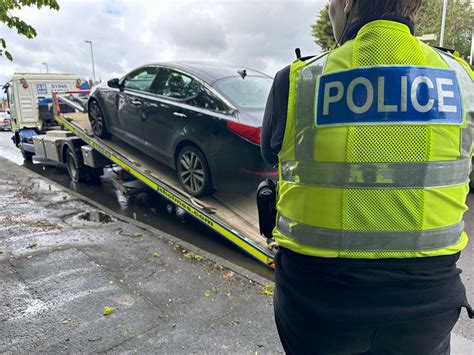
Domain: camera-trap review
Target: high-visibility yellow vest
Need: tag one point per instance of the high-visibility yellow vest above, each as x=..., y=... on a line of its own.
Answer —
x=376, y=154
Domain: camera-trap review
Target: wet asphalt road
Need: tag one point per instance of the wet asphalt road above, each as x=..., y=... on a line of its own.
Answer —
x=463, y=335
x=149, y=208
x=63, y=261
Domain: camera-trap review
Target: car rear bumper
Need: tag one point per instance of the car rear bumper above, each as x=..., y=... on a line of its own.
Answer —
x=241, y=167
x=5, y=126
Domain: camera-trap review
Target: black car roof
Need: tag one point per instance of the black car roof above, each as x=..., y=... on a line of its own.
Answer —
x=210, y=72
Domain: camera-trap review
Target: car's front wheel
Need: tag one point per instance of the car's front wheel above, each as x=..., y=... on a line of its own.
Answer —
x=97, y=120
x=193, y=172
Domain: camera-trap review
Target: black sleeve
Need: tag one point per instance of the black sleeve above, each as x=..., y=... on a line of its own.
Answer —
x=274, y=119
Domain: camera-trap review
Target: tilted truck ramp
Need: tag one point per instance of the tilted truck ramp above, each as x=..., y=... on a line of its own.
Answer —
x=230, y=214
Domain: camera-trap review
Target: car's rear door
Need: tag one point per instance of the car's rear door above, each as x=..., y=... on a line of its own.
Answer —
x=132, y=99
x=165, y=117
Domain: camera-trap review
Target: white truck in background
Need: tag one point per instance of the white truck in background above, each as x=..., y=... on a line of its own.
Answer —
x=30, y=100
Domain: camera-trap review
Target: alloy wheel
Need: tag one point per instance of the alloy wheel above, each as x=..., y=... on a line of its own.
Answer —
x=96, y=119
x=192, y=172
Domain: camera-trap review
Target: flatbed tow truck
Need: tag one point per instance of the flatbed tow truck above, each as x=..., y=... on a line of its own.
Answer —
x=232, y=215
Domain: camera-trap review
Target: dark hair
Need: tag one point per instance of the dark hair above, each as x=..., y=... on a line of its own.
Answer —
x=380, y=8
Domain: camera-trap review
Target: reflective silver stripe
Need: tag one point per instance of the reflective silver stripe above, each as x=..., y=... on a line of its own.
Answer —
x=467, y=90
x=305, y=108
x=333, y=239
x=378, y=175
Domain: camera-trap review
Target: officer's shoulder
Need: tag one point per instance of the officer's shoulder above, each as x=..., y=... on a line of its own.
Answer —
x=455, y=55
x=283, y=73
x=445, y=50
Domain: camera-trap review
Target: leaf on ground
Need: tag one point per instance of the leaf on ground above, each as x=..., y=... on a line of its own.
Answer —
x=70, y=322
x=267, y=290
x=207, y=293
x=33, y=245
x=191, y=255
x=1, y=252
x=107, y=310
x=138, y=234
x=228, y=275
x=156, y=255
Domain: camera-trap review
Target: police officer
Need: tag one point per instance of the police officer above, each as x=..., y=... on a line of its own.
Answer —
x=373, y=143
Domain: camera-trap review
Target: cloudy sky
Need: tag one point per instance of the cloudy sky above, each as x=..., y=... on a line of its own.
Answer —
x=259, y=34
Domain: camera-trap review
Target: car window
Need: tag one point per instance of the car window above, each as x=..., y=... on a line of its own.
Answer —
x=173, y=84
x=249, y=92
x=141, y=79
x=202, y=97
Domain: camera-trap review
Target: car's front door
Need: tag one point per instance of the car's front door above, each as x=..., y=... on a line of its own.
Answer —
x=132, y=99
x=165, y=117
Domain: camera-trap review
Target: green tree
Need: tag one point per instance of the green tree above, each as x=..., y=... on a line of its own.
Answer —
x=322, y=30
x=14, y=22
x=457, y=33
x=459, y=24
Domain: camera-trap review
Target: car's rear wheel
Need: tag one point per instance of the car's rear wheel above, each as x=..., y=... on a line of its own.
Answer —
x=193, y=172
x=97, y=120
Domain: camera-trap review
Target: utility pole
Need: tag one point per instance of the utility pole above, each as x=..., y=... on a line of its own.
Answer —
x=46, y=65
x=443, y=23
x=92, y=58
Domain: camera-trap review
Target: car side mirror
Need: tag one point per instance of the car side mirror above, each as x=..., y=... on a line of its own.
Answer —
x=114, y=83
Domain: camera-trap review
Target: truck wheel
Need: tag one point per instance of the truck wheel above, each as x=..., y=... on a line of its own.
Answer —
x=193, y=172
x=28, y=156
x=76, y=171
x=97, y=120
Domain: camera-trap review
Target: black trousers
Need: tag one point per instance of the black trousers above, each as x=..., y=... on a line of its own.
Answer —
x=429, y=336
x=361, y=307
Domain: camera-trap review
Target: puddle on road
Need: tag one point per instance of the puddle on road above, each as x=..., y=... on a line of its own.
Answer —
x=96, y=216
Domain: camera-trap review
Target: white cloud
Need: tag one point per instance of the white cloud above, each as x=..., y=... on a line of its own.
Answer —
x=127, y=34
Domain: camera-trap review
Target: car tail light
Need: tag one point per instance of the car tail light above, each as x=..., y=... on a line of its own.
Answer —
x=252, y=134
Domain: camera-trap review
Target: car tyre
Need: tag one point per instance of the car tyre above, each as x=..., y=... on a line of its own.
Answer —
x=97, y=120
x=193, y=172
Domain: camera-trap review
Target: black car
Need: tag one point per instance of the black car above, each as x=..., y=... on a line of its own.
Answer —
x=201, y=119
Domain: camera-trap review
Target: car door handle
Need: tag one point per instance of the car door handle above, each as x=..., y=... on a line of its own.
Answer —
x=151, y=104
x=179, y=114
x=164, y=106
x=136, y=102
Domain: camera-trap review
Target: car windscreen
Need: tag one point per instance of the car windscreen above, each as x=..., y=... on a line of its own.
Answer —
x=249, y=92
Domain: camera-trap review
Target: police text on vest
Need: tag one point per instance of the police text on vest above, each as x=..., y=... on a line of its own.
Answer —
x=401, y=94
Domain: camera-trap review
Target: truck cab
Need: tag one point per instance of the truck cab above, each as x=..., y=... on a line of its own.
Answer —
x=30, y=101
